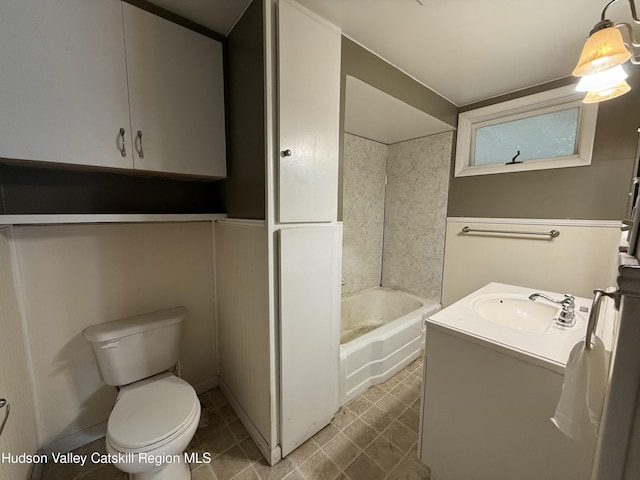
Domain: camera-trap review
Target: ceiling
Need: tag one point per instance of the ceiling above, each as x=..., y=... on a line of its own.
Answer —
x=373, y=114
x=465, y=50
x=217, y=15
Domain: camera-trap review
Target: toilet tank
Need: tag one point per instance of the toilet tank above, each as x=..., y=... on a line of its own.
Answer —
x=134, y=348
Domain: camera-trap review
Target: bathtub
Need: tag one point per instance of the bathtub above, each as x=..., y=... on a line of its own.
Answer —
x=381, y=332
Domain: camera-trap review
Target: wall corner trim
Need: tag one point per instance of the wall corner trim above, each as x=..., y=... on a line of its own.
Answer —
x=538, y=221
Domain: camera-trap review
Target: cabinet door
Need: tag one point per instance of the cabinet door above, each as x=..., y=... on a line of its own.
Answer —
x=63, y=82
x=176, y=92
x=307, y=362
x=309, y=106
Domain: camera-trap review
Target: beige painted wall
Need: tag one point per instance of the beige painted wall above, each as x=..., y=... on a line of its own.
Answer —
x=597, y=191
x=73, y=276
x=242, y=193
x=581, y=259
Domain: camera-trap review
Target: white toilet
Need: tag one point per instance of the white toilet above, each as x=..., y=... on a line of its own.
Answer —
x=156, y=413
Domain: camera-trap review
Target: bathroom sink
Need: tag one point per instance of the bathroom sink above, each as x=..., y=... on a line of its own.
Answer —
x=502, y=317
x=517, y=312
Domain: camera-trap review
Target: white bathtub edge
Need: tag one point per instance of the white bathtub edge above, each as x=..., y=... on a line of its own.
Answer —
x=380, y=371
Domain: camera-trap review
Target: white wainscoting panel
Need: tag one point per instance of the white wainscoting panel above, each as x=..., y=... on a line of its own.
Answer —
x=73, y=276
x=581, y=259
x=243, y=322
x=20, y=430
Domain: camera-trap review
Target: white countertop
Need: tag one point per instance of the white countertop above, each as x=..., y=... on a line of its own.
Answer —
x=550, y=349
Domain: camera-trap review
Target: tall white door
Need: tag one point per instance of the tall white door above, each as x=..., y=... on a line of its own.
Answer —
x=306, y=342
x=63, y=83
x=309, y=109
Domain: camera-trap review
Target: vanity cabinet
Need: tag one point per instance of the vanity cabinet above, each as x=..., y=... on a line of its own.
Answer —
x=491, y=410
x=491, y=384
x=78, y=84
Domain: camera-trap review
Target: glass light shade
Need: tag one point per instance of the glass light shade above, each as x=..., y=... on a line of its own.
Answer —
x=603, y=50
x=602, y=80
x=607, y=93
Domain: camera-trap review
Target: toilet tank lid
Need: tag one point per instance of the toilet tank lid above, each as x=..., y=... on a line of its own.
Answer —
x=105, y=332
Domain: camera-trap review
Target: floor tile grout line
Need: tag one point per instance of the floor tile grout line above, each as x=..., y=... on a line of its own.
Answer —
x=389, y=391
x=395, y=418
x=250, y=466
x=381, y=467
x=342, y=469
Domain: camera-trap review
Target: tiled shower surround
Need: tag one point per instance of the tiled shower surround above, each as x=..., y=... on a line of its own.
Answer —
x=363, y=177
x=394, y=234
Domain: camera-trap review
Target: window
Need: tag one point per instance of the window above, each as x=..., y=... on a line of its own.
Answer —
x=552, y=129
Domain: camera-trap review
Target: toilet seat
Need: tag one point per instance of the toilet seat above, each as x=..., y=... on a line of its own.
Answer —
x=152, y=412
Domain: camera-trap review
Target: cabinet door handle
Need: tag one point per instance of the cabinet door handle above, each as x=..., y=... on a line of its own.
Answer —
x=286, y=153
x=123, y=150
x=140, y=152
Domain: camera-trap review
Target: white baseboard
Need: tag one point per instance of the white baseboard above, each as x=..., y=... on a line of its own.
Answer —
x=88, y=435
x=76, y=440
x=271, y=455
x=205, y=386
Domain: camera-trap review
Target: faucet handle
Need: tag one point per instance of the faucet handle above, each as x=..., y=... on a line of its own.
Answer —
x=567, y=315
x=569, y=302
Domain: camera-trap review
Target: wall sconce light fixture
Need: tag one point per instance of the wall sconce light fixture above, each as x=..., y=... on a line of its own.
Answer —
x=602, y=56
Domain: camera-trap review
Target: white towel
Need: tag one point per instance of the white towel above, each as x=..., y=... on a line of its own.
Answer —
x=585, y=381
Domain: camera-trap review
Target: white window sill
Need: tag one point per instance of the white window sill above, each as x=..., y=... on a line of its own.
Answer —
x=525, y=166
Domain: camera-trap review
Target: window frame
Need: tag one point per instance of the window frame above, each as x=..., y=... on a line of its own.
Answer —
x=524, y=107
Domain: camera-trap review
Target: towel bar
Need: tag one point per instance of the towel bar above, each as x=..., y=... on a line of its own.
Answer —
x=594, y=312
x=3, y=403
x=551, y=234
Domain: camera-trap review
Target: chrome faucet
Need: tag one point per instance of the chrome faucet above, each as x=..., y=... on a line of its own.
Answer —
x=567, y=317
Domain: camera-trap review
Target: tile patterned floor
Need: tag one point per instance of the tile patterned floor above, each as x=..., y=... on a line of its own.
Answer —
x=373, y=437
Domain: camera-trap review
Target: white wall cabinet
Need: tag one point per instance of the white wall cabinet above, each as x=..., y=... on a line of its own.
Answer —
x=63, y=87
x=307, y=191
x=176, y=92
x=309, y=110
x=299, y=300
x=70, y=69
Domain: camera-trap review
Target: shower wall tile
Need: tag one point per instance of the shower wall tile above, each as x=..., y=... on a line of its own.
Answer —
x=364, y=171
x=416, y=211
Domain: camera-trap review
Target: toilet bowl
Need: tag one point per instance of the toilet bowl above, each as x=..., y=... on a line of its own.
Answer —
x=151, y=425
x=156, y=414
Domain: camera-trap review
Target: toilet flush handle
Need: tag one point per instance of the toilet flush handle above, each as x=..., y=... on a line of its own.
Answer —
x=115, y=344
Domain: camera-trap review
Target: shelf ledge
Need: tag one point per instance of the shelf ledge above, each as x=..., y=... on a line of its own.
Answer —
x=71, y=218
